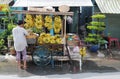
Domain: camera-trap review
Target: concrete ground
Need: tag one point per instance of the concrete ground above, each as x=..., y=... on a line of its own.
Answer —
x=95, y=62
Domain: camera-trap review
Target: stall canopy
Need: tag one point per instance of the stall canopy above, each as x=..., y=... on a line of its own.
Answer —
x=9, y=2
x=109, y=6
x=54, y=3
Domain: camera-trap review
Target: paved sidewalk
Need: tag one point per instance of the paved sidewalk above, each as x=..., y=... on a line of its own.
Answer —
x=115, y=75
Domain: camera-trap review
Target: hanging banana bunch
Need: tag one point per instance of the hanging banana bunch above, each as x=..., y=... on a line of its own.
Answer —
x=39, y=21
x=29, y=21
x=44, y=38
x=47, y=38
x=48, y=22
x=57, y=24
x=83, y=51
x=40, y=38
x=52, y=39
x=58, y=39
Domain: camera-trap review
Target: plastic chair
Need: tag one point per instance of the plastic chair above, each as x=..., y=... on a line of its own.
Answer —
x=111, y=40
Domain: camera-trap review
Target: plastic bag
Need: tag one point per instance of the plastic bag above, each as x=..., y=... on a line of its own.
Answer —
x=76, y=49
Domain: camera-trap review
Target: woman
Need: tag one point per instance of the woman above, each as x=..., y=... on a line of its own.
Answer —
x=20, y=43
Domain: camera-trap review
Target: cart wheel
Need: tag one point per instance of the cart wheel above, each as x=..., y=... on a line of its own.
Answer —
x=41, y=56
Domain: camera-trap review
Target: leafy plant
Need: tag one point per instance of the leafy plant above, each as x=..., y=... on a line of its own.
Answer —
x=10, y=37
x=96, y=28
x=2, y=45
x=9, y=20
x=99, y=16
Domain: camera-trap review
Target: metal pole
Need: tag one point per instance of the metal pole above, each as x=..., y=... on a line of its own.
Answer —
x=64, y=33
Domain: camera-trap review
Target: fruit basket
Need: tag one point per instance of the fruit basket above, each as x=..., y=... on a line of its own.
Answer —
x=31, y=39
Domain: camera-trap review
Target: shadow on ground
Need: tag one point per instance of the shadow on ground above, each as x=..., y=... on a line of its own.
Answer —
x=88, y=66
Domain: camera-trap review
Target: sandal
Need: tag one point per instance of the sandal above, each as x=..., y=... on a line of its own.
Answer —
x=24, y=67
x=20, y=66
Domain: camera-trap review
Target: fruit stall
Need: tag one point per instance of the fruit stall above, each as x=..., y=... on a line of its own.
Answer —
x=47, y=35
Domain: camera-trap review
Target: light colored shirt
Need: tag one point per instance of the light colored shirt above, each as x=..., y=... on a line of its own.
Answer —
x=19, y=38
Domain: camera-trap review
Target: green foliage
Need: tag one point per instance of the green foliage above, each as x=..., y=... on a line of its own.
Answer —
x=1, y=42
x=10, y=27
x=8, y=19
x=92, y=27
x=38, y=31
x=99, y=16
x=95, y=23
x=10, y=37
x=90, y=39
x=2, y=46
x=96, y=28
x=4, y=34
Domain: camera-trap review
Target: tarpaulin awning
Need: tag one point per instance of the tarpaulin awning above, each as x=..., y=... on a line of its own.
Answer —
x=54, y=3
x=109, y=6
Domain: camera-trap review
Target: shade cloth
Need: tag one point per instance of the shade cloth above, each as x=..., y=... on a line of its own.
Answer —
x=5, y=1
x=54, y=3
x=109, y=6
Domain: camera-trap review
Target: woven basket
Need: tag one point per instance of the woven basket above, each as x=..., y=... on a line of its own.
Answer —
x=64, y=8
x=31, y=40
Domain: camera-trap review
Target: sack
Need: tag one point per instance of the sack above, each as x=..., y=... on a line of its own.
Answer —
x=76, y=49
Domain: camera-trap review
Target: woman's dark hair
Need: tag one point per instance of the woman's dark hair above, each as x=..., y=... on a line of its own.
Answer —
x=20, y=22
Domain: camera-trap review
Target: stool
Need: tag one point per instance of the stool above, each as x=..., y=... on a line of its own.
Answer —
x=115, y=40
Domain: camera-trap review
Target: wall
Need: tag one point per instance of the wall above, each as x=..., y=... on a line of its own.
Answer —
x=113, y=24
x=74, y=26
